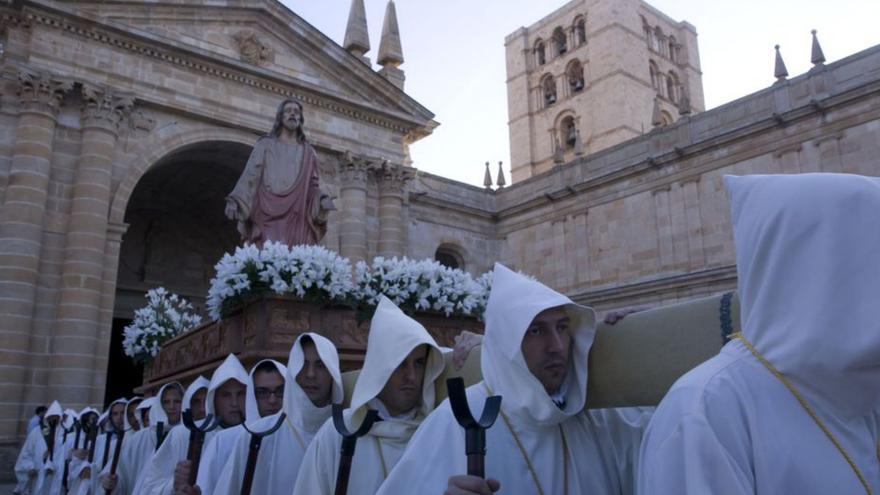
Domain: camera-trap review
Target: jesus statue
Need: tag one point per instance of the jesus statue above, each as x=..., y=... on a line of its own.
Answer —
x=278, y=196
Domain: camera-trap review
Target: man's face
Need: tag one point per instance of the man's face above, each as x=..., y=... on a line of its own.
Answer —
x=171, y=400
x=291, y=116
x=546, y=348
x=229, y=403
x=269, y=391
x=403, y=390
x=90, y=420
x=197, y=404
x=314, y=378
x=117, y=412
x=130, y=411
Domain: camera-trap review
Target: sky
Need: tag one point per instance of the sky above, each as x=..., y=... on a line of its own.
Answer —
x=455, y=60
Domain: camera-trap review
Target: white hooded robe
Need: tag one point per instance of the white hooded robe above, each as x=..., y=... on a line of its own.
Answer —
x=158, y=475
x=33, y=457
x=807, y=248
x=216, y=453
x=393, y=335
x=281, y=453
x=593, y=450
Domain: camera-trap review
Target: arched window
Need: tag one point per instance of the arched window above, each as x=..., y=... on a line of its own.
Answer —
x=540, y=53
x=548, y=87
x=449, y=256
x=655, y=75
x=560, y=41
x=568, y=133
x=657, y=41
x=580, y=30
x=575, y=74
x=672, y=86
x=673, y=49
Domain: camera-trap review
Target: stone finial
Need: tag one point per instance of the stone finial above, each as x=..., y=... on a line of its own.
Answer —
x=684, y=101
x=357, y=37
x=656, y=114
x=816, y=55
x=578, y=143
x=487, y=178
x=779, y=72
x=559, y=153
x=501, y=182
x=390, y=51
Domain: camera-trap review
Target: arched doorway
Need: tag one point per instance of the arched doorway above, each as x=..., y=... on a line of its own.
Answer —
x=176, y=233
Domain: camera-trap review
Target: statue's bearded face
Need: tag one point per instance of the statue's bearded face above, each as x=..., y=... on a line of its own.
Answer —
x=291, y=116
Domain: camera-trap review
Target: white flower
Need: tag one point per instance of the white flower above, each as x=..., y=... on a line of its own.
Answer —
x=165, y=316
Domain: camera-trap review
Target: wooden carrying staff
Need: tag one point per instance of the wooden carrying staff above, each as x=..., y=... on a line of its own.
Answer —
x=349, y=441
x=254, y=452
x=474, y=431
x=120, y=435
x=197, y=441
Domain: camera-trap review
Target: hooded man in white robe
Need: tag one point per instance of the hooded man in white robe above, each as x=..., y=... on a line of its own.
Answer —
x=194, y=397
x=132, y=422
x=225, y=400
x=807, y=261
x=139, y=447
x=78, y=480
x=534, y=355
x=105, y=447
x=397, y=380
x=264, y=397
x=30, y=468
x=313, y=383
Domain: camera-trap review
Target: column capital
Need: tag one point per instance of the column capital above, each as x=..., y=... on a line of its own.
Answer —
x=105, y=108
x=353, y=170
x=393, y=178
x=42, y=92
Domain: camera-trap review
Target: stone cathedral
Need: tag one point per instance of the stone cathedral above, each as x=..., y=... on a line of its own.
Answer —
x=124, y=124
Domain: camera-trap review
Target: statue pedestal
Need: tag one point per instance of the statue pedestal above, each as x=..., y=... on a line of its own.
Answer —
x=267, y=327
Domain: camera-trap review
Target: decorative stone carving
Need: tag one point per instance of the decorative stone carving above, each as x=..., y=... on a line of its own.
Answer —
x=140, y=121
x=393, y=178
x=251, y=49
x=41, y=91
x=354, y=169
x=105, y=108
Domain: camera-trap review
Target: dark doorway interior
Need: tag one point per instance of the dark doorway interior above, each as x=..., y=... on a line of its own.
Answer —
x=122, y=374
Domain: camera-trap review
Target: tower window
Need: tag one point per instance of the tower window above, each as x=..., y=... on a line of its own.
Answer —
x=575, y=76
x=540, y=54
x=580, y=30
x=560, y=40
x=449, y=257
x=568, y=131
x=672, y=86
x=548, y=86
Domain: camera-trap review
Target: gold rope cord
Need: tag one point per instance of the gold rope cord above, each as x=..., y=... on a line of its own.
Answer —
x=806, y=406
x=525, y=456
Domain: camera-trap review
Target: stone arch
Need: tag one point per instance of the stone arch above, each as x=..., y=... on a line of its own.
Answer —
x=548, y=90
x=162, y=143
x=452, y=255
x=666, y=117
x=580, y=30
x=540, y=52
x=560, y=41
x=575, y=74
x=566, y=128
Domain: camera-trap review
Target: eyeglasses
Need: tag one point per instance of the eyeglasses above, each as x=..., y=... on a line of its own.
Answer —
x=264, y=393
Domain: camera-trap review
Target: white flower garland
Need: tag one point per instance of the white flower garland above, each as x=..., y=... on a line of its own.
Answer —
x=310, y=272
x=165, y=316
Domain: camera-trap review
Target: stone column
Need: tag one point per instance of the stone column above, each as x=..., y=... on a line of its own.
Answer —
x=392, y=180
x=74, y=340
x=353, y=211
x=21, y=233
x=115, y=231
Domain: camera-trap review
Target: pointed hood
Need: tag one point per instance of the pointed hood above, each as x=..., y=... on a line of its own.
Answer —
x=806, y=253
x=87, y=410
x=299, y=408
x=54, y=410
x=390, y=50
x=357, y=37
x=138, y=401
x=148, y=405
x=104, y=420
x=230, y=369
x=393, y=335
x=157, y=413
x=199, y=383
x=513, y=303
x=252, y=410
x=69, y=419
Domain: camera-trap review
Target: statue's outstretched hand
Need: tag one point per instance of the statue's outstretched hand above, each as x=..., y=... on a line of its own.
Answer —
x=231, y=210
